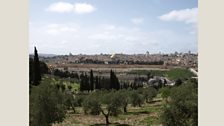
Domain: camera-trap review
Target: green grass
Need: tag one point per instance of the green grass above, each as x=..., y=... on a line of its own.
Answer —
x=147, y=115
x=172, y=74
x=145, y=72
x=66, y=81
x=179, y=73
x=151, y=120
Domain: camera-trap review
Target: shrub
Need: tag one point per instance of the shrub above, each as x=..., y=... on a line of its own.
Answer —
x=136, y=98
x=91, y=105
x=124, y=98
x=46, y=105
x=165, y=93
x=182, y=109
x=148, y=93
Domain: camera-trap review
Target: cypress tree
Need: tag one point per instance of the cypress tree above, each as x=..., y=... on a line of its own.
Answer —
x=112, y=79
x=82, y=86
x=87, y=85
x=30, y=71
x=117, y=84
x=36, y=68
x=91, y=80
x=97, y=83
x=114, y=82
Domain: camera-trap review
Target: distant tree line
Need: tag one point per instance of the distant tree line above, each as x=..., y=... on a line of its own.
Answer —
x=91, y=61
x=91, y=82
x=65, y=74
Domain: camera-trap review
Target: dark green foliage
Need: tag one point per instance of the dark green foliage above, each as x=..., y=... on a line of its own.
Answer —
x=35, y=73
x=105, y=83
x=182, y=109
x=112, y=102
x=84, y=83
x=71, y=102
x=30, y=71
x=62, y=86
x=148, y=93
x=36, y=69
x=124, y=97
x=79, y=99
x=65, y=74
x=137, y=99
x=149, y=73
x=69, y=87
x=165, y=93
x=47, y=105
x=178, y=82
x=91, y=104
x=91, y=80
x=97, y=83
x=114, y=82
x=43, y=68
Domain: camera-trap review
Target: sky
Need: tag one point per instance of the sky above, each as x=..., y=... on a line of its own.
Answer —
x=113, y=26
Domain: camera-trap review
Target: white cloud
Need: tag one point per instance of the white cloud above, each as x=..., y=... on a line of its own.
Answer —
x=61, y=7
x=65, y=7
x=137, y=21
x=108, y=27
x=185, y=15
x=55, y=29
x=82, y=8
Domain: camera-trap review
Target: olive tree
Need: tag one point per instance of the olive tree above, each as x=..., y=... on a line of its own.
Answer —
x=91, y=104
x=106, y=102
x=137, y=99
x=111, y=101
x=148, y=93
x=124, y=98
x=182, y=109
x=47, y=105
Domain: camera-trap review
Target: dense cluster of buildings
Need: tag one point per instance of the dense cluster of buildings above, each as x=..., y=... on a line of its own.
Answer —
x=174, y=59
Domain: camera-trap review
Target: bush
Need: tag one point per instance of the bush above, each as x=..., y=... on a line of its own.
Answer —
x=112, y=102
x=91, y=105
x=46, y=105
x=136, y=98
x=165, y=93
x=148, y=93
x=182, y=109
x=79, y=99
x=124, y=98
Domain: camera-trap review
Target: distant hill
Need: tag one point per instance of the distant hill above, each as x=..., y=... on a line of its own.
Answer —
x=44, y=55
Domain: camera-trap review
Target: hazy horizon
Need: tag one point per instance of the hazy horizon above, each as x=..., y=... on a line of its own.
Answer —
x=31, y=53
x=128, y=27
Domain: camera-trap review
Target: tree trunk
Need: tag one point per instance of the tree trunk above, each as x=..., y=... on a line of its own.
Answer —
x=125, y=109
x=73, y=108
x=107, y=119
x=139, y=104
x=106, y=116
